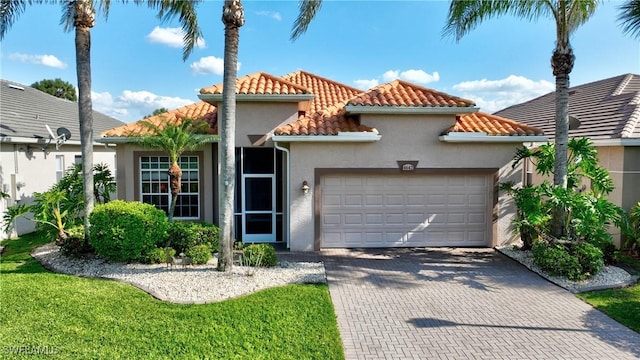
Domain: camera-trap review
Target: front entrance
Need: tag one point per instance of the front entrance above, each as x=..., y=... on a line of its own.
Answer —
x=258, y=205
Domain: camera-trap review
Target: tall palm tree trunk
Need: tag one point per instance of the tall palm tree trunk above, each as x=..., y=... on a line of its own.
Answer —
x=84, y=21
x=562, y=63
x=233, y=19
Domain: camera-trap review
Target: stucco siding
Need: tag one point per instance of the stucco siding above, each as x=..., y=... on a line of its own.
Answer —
x=37, y=172
x=631, y=178
x=403, y=138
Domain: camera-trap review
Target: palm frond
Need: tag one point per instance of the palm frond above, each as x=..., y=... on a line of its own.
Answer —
x=629, y=17
x=308, y=11
x=186, y=13
x=10, y=11
x=465, y=15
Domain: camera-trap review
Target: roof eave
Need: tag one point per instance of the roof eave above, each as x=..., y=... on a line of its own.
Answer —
x=40, y=141
x=341, y=137
x=485, y=138
x=217, y=98
x=130, y=139
x=376, y=109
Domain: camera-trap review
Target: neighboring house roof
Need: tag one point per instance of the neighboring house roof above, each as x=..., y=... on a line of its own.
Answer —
x=24, y=111
x=606, y=109
x=333, y=108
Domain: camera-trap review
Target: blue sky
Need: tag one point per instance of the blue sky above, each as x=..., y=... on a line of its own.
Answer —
x=137, y=63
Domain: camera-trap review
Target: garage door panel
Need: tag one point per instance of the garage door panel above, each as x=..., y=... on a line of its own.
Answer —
x=393, y=211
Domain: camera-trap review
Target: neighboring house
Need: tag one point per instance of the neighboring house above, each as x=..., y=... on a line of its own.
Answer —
x=30, y=161
x=607, y=112
x=321, y=164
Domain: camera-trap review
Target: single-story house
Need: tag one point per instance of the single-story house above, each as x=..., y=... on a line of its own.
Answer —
x=607, y=112
x=321, y=164
x=31, y=159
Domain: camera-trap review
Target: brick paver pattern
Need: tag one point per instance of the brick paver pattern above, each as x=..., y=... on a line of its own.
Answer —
x=462, y=304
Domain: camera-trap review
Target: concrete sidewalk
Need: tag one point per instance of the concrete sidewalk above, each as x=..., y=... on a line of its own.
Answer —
x=462, y=304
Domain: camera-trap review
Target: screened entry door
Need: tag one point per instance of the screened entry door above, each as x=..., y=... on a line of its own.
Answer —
x=258, y=195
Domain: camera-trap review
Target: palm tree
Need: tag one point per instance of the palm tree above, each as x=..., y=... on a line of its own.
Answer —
x=175, y=139
x=80, y=14
x=233, y=19
x=568, y=15
x=308, y=11
x=630, y=17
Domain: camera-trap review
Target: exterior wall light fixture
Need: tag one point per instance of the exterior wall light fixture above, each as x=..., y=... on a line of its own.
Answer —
x=305, y=187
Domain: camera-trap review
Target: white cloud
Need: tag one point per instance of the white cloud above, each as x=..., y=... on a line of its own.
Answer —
x=134, y=105
x=46, y=60
x=172, y=37
x=209, y=65
x=411, y=75
x=366, y=84
x=494, y=95
x=272, y=14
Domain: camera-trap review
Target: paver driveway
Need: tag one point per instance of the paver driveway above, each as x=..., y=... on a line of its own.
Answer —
x=462, y=304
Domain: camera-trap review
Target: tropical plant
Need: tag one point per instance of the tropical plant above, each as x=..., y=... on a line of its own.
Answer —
x=630, y=17
x=11, y=214
x=174, y=139
x=49, y=209
x=57, y=87
x=531, y=215
x=80, y=15
x=632, y=230
x=568, y=15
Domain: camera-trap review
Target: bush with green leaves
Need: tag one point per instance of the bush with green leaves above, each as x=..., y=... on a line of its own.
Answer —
x=159, y=255
x=199, y=254
x=259, y=255
x=573, y=261
x=184, y=235
x=73, y=244
x=632, y=229
x=125, y=231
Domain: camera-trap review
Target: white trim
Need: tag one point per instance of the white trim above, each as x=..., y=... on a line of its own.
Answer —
x=41, y=141
x=111, y=140
x=485, y=138
x=217, y=98
x=287, y=190
x=341, y=137
x=617, y=142
x=376, y=109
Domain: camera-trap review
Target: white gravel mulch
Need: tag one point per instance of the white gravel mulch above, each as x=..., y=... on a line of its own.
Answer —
x=193, y=284
x=609, y=278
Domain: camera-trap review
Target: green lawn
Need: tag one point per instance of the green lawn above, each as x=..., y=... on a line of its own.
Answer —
x=76, y=318
x=623, y=305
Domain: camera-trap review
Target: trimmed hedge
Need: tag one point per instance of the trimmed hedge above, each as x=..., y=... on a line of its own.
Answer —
x=259, y=255
x=126, y=231
x=578, y=262
x=185, y=235
x=200, y=254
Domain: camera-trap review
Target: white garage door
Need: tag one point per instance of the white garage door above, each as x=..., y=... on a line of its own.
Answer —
x=405, y=210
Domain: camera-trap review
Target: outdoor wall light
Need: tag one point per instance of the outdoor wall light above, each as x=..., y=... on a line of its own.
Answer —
x=305, y=187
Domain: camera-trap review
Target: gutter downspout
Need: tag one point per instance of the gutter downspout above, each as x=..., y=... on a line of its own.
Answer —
x=287, y=192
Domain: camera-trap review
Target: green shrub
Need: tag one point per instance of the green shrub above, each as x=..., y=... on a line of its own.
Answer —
x=200, y=254
x=556, y=260
x=124, y=231
x=159, y=255
x=259, y=255
x=74, y=245
x=589, y=257
x=185, y=235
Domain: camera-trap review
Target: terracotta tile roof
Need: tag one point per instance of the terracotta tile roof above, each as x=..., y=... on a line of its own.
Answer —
x=196, y=111
x=324, y=123
x=327, y=92
x=400, y=93
x=260, y=83
x=480, y=122
x=606, y=109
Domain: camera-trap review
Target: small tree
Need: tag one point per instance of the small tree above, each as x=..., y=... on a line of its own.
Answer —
x=175, y=139
x=156, y=112
x=57, y=87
